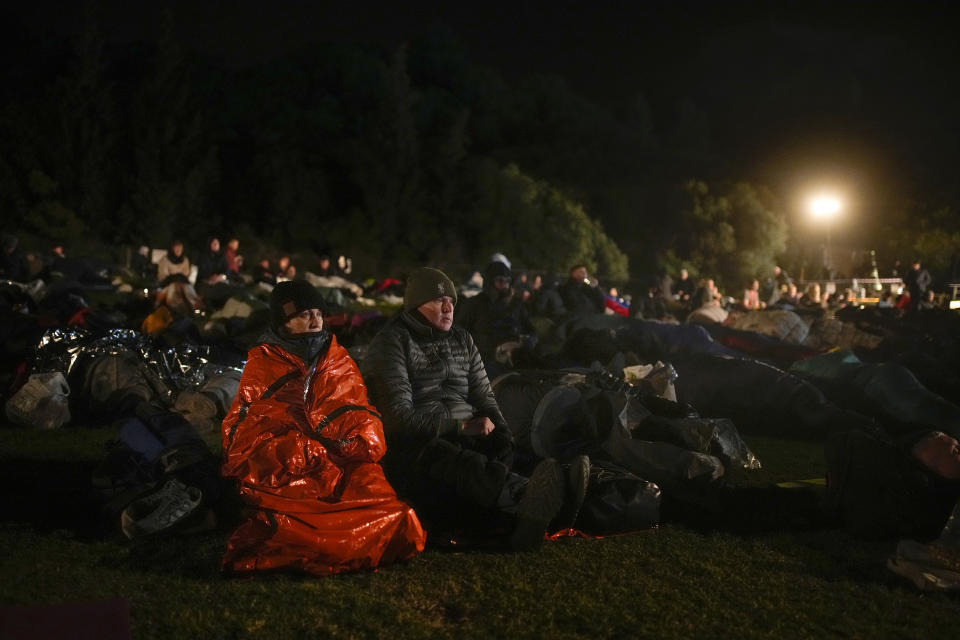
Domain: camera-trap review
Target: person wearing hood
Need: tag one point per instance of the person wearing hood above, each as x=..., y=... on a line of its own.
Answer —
x=497, y=319
x=303, y=442
x=450, y=448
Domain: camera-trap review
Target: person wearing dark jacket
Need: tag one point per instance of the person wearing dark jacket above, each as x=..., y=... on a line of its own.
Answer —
x=326, y=268
x=497, y=319
x=13, y=264
x=212, y=264
x=264, y=273
x=917, y=280
x=449, y=446
x=684, y=287
x=579, y=294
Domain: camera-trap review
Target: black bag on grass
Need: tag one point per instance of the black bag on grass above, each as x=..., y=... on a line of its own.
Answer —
x=618, y=501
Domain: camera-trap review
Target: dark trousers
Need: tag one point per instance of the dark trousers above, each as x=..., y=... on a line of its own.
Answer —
x=451, y=473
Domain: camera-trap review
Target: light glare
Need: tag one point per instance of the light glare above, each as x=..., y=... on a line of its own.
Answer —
x=824, y=206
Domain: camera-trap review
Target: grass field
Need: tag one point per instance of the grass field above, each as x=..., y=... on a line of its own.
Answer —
x=669, y=582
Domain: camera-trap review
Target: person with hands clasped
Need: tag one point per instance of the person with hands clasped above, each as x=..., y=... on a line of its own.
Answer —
x=449, y=447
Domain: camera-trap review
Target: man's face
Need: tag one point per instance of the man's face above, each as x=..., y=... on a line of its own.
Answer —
x=306, y=321
x=234, y=244
x=939, y=453
x=177, y=249
x=579, y=274
x=324, y=263
x=215, y=245
x=438, y=313
x=501, y=283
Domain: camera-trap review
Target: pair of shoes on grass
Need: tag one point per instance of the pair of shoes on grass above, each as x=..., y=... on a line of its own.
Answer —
x=552, y=500
x=934, y=566
x=930, y=567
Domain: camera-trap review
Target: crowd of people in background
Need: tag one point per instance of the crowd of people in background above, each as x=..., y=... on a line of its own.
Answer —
x=184, y=281
x=777, y=290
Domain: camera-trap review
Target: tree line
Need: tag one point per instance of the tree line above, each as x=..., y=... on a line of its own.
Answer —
x=396, y=157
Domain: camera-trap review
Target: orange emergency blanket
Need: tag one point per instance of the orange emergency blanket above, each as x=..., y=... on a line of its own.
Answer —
x=303, y=446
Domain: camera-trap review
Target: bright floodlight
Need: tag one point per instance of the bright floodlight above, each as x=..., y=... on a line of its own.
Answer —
x=824, y=206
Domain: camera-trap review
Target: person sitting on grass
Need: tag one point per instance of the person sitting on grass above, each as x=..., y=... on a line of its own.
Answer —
x=497, y=320
x=928, y=302
x=303, y=443
x=580, y=293
x=212, y=264
x=751, y=297
x=450, y=449
x=173, y=271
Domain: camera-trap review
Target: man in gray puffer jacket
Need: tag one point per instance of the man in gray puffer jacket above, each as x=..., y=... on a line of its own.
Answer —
x=449, y=448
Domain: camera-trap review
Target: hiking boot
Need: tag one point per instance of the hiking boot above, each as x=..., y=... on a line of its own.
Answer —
x=160, y=510
x=542, y=499
x=577, y=476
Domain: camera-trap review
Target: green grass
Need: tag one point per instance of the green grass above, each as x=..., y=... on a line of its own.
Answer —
x=669, y=582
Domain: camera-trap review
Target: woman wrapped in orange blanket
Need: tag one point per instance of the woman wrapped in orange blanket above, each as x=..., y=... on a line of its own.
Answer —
x=302, y=441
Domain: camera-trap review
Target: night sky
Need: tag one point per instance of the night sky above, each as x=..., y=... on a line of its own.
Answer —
x=797, y=94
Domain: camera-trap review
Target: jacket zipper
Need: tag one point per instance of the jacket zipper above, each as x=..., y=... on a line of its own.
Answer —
x=272, y=389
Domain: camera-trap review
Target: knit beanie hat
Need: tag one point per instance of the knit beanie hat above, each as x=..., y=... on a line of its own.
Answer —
x=426, y=284
x=291, y=297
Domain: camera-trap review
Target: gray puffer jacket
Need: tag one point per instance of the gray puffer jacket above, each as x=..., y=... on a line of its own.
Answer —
x=426, y=382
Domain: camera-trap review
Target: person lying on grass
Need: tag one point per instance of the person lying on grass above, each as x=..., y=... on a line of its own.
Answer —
x=302, y=442
x=450, y=449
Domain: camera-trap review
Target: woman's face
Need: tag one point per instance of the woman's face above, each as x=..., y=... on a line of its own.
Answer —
x=177, y=249
x=306, y=321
